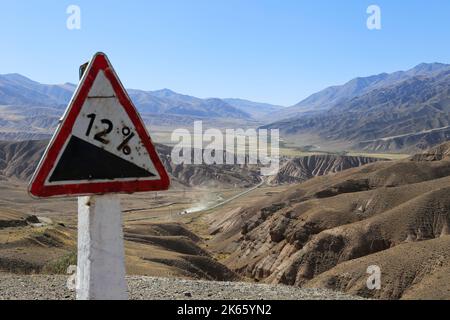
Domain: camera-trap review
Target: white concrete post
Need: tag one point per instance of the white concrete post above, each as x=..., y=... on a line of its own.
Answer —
x=101, y=256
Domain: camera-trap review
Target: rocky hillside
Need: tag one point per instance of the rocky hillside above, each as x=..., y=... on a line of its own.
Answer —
x=303, y=168
x=18, y=160
x=332, y=96
x=328, y=230
x=30, y=244
x=441, y=152
x=407, y=142
x=412, y=112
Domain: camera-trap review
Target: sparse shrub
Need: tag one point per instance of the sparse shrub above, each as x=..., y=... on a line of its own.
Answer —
x=60, y=265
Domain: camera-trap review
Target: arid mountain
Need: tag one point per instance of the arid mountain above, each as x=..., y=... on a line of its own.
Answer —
x=304, y=168
x=332, y=96
x=257, y=110
x=402, y=111
x=328, y=230
x=209, y=175
x=31, y=110
x=441, y=152
x=406, y=142
x=18, y=90
x=168, y=102
x=35, y=99
x=27, y=123
x=18, y=160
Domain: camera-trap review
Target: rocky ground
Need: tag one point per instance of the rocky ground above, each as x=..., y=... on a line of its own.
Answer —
x=39, y=287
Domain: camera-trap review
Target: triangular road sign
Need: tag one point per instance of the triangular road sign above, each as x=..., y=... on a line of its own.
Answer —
x=101, y=145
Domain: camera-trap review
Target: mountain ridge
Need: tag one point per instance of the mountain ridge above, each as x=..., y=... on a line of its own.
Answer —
x=326, y=231
x=18, y=160
x=402, y=107
x=16, y=89
x=328, y=97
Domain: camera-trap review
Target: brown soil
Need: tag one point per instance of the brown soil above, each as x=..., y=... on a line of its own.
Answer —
x=393, y=214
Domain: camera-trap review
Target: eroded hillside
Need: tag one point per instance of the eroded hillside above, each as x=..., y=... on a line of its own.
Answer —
x=18, y=160
x=33, y=245
x=378, y=214
x=301, y=169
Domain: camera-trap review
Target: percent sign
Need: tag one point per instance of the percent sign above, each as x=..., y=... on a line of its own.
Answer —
x=128, y=135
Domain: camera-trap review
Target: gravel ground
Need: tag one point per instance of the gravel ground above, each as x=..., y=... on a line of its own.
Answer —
x=39, y=287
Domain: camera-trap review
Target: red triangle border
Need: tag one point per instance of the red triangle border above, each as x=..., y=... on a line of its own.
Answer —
x=37, y=187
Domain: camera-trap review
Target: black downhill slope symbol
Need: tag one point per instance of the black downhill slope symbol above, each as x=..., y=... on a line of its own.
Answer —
x=84, y=161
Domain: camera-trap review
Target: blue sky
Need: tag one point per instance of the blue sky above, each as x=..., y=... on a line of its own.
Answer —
x=271, y=51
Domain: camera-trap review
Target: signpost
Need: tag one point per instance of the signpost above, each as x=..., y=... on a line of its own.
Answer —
x=100, y=149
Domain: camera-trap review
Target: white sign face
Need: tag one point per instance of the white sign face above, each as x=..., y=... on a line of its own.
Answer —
x=104, y=123
x=104, y=131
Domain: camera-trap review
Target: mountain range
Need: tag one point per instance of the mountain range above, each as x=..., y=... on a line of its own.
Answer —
x=17, y=90
x=389, y=112
x=19, y=159
x=31, y=110
x=328, y=98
